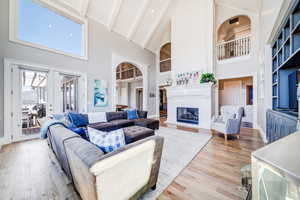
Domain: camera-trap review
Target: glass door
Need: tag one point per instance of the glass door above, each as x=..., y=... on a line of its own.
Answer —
x=30, y=102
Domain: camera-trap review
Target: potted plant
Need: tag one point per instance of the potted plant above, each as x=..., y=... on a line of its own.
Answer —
x=208, y=78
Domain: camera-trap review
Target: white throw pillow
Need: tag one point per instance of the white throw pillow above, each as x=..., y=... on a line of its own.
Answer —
x=97, y=117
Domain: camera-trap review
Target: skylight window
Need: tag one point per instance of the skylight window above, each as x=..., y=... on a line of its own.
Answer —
x=41, y=27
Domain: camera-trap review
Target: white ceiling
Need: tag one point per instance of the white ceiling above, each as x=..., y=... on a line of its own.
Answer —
x=140, y=21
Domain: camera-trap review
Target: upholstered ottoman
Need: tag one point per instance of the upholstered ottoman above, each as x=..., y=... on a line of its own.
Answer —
x=147, y=123
x=135, y=133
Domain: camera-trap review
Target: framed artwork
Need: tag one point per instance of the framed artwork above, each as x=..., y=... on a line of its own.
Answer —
x=100, y=93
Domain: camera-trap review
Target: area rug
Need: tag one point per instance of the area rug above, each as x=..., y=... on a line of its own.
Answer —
x=180, y=147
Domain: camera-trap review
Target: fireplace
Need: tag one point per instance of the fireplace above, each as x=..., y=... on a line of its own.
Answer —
x=188, y=115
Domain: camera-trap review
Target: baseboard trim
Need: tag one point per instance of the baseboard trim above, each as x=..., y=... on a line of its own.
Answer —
x=262, y=134
x=3, y=141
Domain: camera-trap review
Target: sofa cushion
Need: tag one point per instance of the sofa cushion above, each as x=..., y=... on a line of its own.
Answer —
x=116, y=115
x=77, y=119
x=132, y=114
x=107, y=141
x=148, y=123
x=97, y=117
x=106, y=126
x=142, y=114
x=135, y=133
x=122, y=123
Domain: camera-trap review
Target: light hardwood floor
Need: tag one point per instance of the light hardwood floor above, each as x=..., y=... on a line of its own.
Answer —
x=28, y=171
x=214, y=174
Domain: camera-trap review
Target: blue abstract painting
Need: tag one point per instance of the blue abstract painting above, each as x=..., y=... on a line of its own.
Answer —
x=100, y=93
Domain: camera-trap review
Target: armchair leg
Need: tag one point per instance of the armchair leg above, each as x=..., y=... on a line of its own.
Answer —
x=238, y=137
x=153, y=187
x=225, y=136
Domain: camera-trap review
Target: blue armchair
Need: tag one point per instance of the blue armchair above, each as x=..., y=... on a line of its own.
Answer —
x=229, y=122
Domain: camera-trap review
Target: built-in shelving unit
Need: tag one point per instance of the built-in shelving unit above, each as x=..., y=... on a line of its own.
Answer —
x=285, y=58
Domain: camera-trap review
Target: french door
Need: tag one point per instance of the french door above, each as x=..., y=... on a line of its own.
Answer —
x=32, y=101
x=35, y=93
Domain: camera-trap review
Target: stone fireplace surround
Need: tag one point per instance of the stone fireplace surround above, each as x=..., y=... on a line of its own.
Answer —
x=196, y=96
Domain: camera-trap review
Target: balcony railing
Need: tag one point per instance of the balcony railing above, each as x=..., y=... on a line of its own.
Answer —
x=234, y=48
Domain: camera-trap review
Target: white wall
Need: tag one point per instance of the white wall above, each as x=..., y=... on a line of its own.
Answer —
x=192, y=36
x=241, y=66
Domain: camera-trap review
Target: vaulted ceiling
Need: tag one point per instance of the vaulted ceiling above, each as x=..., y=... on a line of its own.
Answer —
x=137, y=20
x=140, y=21
x=247, y=5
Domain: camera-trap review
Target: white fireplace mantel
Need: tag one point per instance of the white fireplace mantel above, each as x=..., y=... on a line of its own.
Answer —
x=196, y=96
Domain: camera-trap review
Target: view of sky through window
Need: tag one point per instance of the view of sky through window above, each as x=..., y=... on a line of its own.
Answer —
x=40, y=25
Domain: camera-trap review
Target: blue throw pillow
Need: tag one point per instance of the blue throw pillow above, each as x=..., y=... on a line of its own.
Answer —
x=107, y=141
x=80, y=131
x=132, y=114
x=77, y=119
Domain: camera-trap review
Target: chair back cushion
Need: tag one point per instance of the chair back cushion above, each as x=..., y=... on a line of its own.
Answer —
x=232, y=112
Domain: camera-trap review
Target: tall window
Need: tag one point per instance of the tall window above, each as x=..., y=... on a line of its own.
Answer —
x=69, y=91
x=41, y=27
x=165, y=58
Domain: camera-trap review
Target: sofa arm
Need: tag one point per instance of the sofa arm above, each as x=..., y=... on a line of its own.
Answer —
x=81, y=155
x=233, y=126
x=131, y=170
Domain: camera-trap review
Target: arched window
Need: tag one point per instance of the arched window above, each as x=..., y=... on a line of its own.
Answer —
x=165, y=58
x=234, y=37
x=127, y=71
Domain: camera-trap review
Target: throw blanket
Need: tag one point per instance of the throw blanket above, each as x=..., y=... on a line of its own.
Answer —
x=47, y=125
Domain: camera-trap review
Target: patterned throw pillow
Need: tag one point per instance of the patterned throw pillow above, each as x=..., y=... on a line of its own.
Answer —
x=132, y=114
x=107, y=141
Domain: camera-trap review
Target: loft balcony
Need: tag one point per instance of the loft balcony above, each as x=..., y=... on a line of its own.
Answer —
x=234, y=48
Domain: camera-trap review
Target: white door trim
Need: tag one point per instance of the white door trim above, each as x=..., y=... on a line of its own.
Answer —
x=8, y=88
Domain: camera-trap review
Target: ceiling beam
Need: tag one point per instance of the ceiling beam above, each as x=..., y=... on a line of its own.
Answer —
x=138, y=19
x=114, y=14
x=156, y=23
x=84, y=7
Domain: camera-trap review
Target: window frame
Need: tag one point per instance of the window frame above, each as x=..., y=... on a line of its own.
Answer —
x=14, y=26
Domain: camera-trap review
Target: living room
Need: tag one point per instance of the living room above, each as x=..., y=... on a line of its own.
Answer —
x=160, y=99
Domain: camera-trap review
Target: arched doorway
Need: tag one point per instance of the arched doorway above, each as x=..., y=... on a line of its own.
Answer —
x=165, y=76
x=129, y=87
